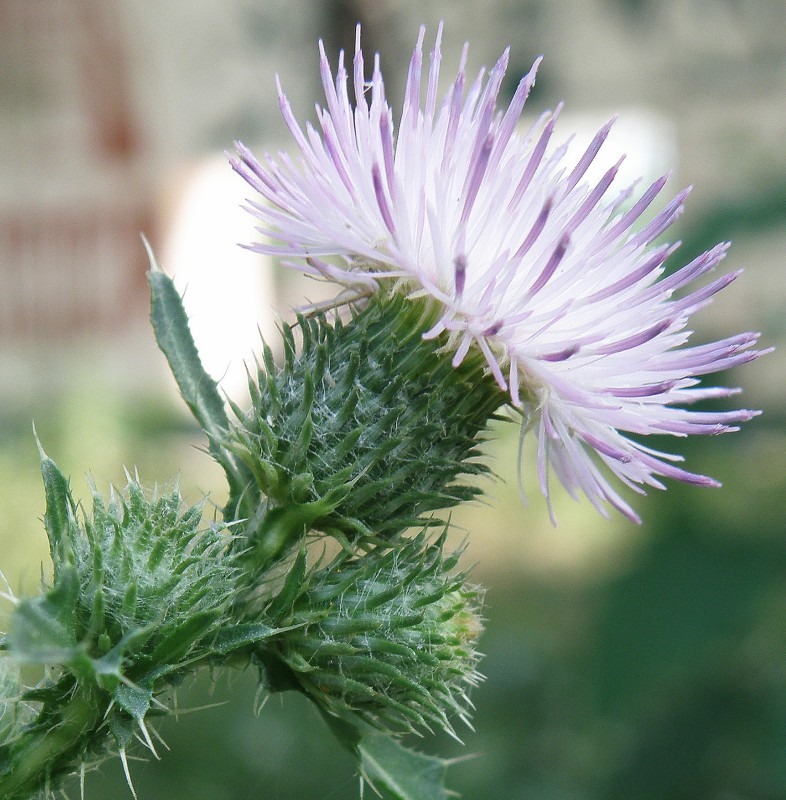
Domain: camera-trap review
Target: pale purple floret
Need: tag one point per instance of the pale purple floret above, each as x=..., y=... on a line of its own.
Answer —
x=547, y=274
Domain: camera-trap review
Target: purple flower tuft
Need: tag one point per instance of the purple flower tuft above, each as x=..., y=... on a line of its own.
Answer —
x=542, y=271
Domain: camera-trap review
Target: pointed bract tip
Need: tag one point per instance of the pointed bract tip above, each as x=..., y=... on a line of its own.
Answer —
x=150, y=255
x=41, y=452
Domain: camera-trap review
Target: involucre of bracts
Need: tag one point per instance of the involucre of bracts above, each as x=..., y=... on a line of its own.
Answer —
x=389, y=636
x=364, y=430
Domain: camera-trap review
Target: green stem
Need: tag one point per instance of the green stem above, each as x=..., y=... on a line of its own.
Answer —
x=51, y=746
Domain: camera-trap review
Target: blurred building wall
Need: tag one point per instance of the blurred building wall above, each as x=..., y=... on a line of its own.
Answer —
x=103, y=103
x=72, y=183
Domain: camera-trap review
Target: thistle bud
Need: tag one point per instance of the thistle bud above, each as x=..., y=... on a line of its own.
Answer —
x=389, y=636
x=140, y=593
x=138, y=581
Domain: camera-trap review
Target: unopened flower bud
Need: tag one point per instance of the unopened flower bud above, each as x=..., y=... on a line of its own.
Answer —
x=389, y=635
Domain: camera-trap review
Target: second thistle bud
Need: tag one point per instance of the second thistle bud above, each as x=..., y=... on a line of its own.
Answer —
x=389, y=635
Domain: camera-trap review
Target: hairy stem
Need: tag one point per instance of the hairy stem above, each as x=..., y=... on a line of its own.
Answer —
x=51, y=745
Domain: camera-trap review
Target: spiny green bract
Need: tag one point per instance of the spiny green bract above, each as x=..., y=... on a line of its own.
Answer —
x=140, y=593
x=366, y=428
x=389, y=635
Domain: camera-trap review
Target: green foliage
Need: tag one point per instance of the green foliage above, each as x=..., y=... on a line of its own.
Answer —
x=141, y=580
x=361, y=434
x=407, y=775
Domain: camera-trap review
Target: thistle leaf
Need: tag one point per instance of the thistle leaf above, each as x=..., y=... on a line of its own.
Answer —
x=405, y=773
x=170, y=325
x=386, y=764
x=182, y=638
x=134, y=700
x=199, y=390
x=58, y=516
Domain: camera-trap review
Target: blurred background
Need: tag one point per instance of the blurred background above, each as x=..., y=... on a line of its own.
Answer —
x=644, y=663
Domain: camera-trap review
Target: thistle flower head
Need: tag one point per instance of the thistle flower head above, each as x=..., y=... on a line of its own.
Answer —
x=553, y=278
